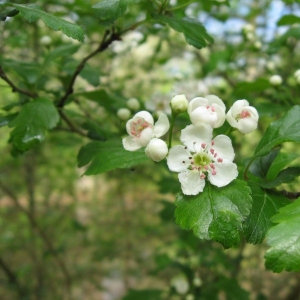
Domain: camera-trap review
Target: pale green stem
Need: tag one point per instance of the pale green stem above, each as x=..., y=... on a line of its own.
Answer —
x=171, y=131
x=181, y=6
x=247, y=168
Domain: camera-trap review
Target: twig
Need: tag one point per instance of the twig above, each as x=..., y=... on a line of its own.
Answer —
x=103, y=45
x=14, y=87
x=70, y=124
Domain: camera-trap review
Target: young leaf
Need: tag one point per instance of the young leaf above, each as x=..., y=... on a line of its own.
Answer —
x=265, y=205
x=216, y=213
x=194, y=32
x=112, y=9
x=284, y=239
x=107, y=156
x=285, y=129
x=32, y=122
x=288, y=20
x=33, y=12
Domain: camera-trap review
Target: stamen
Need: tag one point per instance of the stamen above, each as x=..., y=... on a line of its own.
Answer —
x=212, y=109
x=213, y=172
x=190, y=157
x=183, y=162
x=216, y=154
x=202, y=176
x=203, y=145
x=212, y=151
x=212, y=166
x=245, y=114
x=220, y=160
x=212, y=143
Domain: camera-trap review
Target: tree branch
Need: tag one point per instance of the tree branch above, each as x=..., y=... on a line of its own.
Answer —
x=14, y=87
x=70, y=124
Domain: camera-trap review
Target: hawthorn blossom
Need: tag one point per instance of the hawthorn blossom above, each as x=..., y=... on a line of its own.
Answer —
x=208, y=110
x=202, y=157
x=242, y=116
x=157, y=149
x=141, y=130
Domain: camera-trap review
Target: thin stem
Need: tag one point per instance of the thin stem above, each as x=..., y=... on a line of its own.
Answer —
x=183, y=5
x=247, y=168
x=171, y=130
x=134, y=26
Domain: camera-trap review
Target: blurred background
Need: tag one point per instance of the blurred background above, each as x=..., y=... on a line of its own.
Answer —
x=113, y=236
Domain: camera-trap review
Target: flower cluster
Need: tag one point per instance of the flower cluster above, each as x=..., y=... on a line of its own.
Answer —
x=201, y=156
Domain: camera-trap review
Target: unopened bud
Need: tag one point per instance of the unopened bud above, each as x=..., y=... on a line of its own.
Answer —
x=297, y=73
x=179, y=104
x=275, y=80
x=197, y=282
x=123, y=114
x=298, y=79
x=133, y=104
x=157, y=149
x=257, y=45
x=46, y=40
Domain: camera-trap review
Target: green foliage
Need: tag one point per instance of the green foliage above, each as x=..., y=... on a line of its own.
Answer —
x=143, y=294
x=194, y=32
x=288, y=20
x=32, y=12
x=265, y=205
x=32, y=122
x=216, y=213
x=284, y=240
x=107, y=156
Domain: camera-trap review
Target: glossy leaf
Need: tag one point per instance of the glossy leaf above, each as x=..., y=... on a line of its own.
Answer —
x=32, y=12
x=194, y=32
x=284, y=239
x=107, y=156
x=112, y=9
x=216, y=213
x=265, y=205
x=288, y=20
x=285, y=129
x=30, y=126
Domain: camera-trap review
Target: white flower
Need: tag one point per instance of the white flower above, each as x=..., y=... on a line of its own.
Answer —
x=157, y=149
x=275, y=80
x=141, y=130
x=208, y=110
x=179, y=104
x=133, y=104
x=202, y=158
x=123, y=114
x=242, y=116
x=297, y=73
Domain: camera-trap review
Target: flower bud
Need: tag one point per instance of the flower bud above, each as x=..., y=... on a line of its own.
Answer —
x=257, y=45
x=123, y=114
x=179, y=104
x=275, y=80
x=133, y=104
x=297, y=73
x=298, y=79
x=157, y=149
x=189, y=297
x=197, y=281
x=46, y=40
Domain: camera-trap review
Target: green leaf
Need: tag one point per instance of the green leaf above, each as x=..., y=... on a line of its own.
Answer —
x=32, y=12
x=288, y=20
x=285, y=176
x=112, y=9
x=194, y=32
x=285, y=129
x=284, y=239
x=4, y=120
x=107, y=156
x=216, y=213
x=152, y=294
x=32, y=122
x=265, y=205
x=10, y=13
x=257, y=86
x=61, y=51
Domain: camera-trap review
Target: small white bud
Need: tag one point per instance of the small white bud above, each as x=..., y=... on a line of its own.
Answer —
x=271, y=66
x=298, y=79
x=123, y=114
x=179, y=104
x=45, y=40
x=157, y=149
x=248, y=28
x=197, y=281
x=250, y=36
x=257, y=45
x=189, y=297
x=133, y=104
x=297, y=73
x=275, y=80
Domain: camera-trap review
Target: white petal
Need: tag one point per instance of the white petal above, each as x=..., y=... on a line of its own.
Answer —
x=191, y=183
x=203, y=115
x=220, y=112
x=238, y=106
x=223, y=147
x=225, y=173
x=253, y=112
x=161, y=126
x=145, y=115
x=178, y=159
x=130, y=144
x=214, y=99
x=146, y=136
x=247, y=125
x=128, y=126
x=196, y=102
x=231, y=120
x=193, y=136
x=157, y=149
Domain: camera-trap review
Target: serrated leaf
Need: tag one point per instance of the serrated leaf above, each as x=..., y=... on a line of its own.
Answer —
x=4, y=120
x=107, y=156
x=194, y=32
x=285, y=129
x=216, y=213
x=285, y=176
x=112, y=9
x=265, y=205
x=284, y=239
x=288, y=20
x=30, y=126
x=32, y=12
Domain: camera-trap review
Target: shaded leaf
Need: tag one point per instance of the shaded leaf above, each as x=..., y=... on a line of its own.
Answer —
x=152, y=294
x=4, y=120
x=284, y=239
x=265, y=205
x=288, y=20
x=216, y=213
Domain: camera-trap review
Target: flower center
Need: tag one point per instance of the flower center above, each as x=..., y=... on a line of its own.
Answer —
x=137, y=126
x=201, y=159
x=244, y=114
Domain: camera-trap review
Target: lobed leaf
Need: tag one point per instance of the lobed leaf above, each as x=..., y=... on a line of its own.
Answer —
x=284, y=239
x=216, y=213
